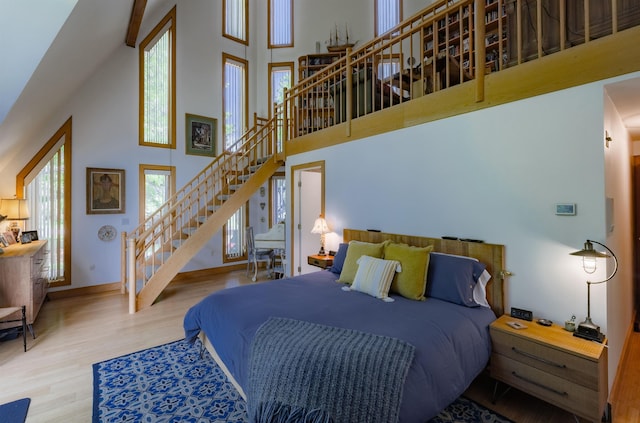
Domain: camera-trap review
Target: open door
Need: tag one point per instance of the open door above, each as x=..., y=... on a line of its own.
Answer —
x=307, y=203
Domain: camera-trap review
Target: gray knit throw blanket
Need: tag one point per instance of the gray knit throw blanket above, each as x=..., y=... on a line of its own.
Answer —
x=306, y=372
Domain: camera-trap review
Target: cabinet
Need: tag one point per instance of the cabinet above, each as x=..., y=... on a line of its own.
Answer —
x=551, y=364
x=316, y=109
x=23, y=277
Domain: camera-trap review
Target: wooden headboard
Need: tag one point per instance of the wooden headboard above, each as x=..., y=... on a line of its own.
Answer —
x=492, y=255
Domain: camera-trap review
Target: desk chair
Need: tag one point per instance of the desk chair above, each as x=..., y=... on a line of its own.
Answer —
x=5, y=312
x=256, y=255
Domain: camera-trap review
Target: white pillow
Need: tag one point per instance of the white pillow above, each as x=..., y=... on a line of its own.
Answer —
x=374, y=277
x=480, y=290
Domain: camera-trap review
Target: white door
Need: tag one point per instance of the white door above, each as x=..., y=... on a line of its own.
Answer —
x=307, y=208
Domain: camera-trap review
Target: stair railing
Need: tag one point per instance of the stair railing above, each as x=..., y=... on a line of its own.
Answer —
x=151, y=244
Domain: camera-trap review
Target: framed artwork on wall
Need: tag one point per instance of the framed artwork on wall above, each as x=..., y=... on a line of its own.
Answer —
x=105, y=191
x=200, y=137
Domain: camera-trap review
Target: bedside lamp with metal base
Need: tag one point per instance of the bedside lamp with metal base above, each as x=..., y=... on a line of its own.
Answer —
x=587, y=329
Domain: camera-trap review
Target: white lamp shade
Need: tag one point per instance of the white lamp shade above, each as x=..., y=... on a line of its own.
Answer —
x=320, y=226
x=14, y=208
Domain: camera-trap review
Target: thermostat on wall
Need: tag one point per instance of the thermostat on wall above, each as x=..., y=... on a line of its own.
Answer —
x=566, y=209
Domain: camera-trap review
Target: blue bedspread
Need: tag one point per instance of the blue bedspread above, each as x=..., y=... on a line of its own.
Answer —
x=452, y=341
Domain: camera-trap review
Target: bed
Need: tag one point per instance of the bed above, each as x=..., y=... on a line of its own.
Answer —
x=451, y=340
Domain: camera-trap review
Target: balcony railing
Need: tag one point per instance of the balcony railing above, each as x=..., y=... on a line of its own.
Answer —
x=446, y=44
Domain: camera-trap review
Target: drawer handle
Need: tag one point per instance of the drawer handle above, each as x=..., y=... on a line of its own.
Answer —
x=540, y=385
x=540, y=359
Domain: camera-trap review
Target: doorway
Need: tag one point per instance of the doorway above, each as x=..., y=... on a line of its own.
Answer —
x=307, y=203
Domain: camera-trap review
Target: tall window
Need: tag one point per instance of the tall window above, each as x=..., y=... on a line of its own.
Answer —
x=278, y=194
x=280, y=77
x=234, y=237
x=235, y=20
x=157, y=185
x=46, y=183
x=388, y=13
x=280, y=30
x=157, y=85
x=234, y=99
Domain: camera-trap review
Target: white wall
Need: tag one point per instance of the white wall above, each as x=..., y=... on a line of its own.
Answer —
x=496, y=175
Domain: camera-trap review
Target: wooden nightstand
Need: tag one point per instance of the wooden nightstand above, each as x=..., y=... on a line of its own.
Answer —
x=324, y=262
x=551, y=364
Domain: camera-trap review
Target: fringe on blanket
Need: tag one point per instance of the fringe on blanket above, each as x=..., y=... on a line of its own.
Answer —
x=278, y=412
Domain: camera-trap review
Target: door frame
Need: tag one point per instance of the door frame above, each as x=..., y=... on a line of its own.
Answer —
x=317, y=166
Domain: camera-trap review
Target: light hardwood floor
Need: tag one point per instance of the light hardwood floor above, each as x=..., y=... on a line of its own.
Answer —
x=73, y=333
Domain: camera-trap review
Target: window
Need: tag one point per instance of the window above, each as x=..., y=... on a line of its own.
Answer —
x=280, y=32
x=280, y=77
x=235, y=20
x=157, y=85
x=46, y=184
x=388, y=13
x=234, y=99
x=278, y=200
x=157, y=185
x=233, y=236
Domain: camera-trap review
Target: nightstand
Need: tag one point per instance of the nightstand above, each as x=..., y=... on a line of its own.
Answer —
x=323, y=262
x=551, y=364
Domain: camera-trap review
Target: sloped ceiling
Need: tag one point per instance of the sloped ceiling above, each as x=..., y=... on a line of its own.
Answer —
x=47, y=56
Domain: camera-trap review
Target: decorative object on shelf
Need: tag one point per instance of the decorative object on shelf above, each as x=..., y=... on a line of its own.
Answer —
x=337, y=43
x=320, y=227
x=105, y=191
x=200, y=139
x=587, y=329
x=15, y=209
x=107, y=233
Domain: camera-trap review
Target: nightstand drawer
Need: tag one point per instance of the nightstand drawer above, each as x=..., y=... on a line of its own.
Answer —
x=546, y=358
x=323, y=262
x=554, y=389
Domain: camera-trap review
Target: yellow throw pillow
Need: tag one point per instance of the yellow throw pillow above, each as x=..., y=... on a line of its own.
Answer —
x=411, y=282
x=356, y=250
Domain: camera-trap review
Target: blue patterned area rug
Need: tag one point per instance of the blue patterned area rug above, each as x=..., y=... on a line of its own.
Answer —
x=175, y=383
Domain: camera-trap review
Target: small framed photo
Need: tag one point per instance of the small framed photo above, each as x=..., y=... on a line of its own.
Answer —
x=25, y=239
x=3, y=241
x=105, y=191
x=30, y=235
x=200, y=137
x=9, y=238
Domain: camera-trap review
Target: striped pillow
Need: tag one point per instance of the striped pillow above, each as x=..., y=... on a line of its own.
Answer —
x=374, y=276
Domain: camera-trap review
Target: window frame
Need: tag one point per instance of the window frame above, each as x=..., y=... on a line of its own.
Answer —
x=274, y=66
x=226, y=34
x=273, y=181
x=168, y=22
x=43, y=154
x=142, y=185
x=270, y=23
x=230, y=58
x=377, y=32
x=243, y=256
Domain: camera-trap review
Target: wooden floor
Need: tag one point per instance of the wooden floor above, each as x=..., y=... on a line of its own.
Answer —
x=73, y=333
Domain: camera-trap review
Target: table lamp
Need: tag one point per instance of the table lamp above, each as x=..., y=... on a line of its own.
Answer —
x=320, y=227
x=588, y=329
x=14, y=209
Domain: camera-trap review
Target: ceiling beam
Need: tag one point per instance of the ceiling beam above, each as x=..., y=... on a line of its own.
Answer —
x=134, y=23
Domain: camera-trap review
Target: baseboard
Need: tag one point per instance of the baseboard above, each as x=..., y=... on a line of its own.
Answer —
x=181, y=278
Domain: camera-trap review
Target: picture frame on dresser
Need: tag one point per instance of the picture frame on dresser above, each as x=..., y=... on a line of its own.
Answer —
x=9, y=238
x=32, y=235
x=3, y=241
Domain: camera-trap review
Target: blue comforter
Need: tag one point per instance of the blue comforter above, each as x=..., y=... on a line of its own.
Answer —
x=452, y=341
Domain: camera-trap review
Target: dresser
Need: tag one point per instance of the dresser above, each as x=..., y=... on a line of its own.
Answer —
x=551, y=364
x=23, y=277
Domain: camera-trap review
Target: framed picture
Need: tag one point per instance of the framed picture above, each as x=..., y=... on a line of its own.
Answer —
x=105, y=191
x=3, y=241
x=200, y=137
x=25, y=238
x=9, y=238
x=30, y=235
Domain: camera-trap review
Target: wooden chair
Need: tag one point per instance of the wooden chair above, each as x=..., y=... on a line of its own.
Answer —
x=6, y=312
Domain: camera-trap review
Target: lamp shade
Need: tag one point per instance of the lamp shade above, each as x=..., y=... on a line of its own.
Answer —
x=14, y=208
x=320, y=226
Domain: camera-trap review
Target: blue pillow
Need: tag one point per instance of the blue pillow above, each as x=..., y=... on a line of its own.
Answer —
x=453, y=278
x=338, y=259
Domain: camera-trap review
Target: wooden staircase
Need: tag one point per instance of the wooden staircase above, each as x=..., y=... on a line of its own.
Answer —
x=154, y=253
